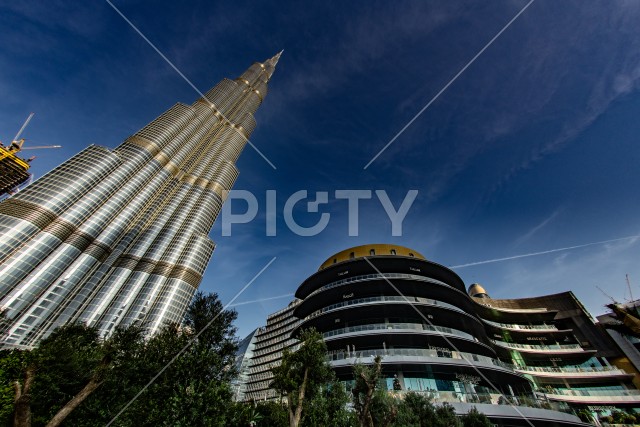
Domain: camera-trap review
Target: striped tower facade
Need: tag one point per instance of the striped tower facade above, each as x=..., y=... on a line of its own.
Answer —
x=111, y=237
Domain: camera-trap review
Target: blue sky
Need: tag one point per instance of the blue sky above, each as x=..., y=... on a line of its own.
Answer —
x=534, y=147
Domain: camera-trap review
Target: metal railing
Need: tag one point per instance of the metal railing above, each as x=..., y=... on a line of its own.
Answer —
x=416, y=352
x=382, y=299
x=530, y=401
x=366, y=277
x=569, y=369
x=541, y=347
x=544, y=326
x=399, y=326
x=595, y=393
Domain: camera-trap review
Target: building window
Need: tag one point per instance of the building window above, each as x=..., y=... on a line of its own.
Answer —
x=372, y=252
x=410, y=254
x=352, y=255
x=335, y=260
x=393, y=251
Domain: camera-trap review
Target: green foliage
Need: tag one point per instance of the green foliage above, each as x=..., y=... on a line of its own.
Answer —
x=261, y=414
x=585, y=415
x=620, y=417
x=446, y=416
x=194, y=390
x=302, y=373
x=475, y=418
x=13, y=364
x=273, y=415
x=309, y=359
x=328, y=407
x=384, y=408
x=416, y=410
x=366, y=380
x=65, y=362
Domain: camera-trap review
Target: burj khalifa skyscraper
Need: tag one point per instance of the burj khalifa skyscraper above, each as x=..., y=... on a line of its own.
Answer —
x=113, y=237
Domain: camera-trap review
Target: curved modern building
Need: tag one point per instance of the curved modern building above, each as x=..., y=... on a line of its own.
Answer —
x=390, y=301
x=554, y=342
x=112, y=237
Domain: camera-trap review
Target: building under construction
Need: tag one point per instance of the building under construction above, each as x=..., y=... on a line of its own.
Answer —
x=14, y=171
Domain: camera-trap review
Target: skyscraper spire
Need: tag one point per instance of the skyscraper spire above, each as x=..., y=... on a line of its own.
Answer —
x=112, y=237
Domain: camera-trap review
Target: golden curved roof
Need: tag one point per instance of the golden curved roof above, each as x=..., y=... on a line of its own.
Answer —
x=476, y=289
x=365, y=250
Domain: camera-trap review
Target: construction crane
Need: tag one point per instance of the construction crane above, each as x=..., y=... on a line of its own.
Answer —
x=13, y=169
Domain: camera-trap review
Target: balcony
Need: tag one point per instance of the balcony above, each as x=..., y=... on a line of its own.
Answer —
x=496, y=405
x=573, y=372
x=592, y=396
x=404, y=299
x=541, y=348
x=407, y=354
x=399, y=326
x=517, y=327
x=368, y=277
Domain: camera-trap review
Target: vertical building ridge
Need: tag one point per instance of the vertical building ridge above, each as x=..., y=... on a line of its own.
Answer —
x=111, y=237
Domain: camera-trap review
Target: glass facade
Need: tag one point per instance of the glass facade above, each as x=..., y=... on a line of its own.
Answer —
x=112, y=237
x=554, y=342
x=436, y=340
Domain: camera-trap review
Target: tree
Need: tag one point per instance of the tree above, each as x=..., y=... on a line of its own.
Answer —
x=17, y=372
x=416, y=410
x=301, y=373
x=446, y=416
x=384, y=408
x=366, y=380
x=195, y=389
x=475, y=418
x=76, y=377
x=328, y=407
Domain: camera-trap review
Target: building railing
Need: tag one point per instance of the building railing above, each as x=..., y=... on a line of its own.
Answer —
x=544, y=326
x=516, y=310
x=377, y=276
x=417, y=352
x=540, y=347
x=398, y=326
x=381, y=299
x=590, y=393
x=489, y=398
x=570, y=369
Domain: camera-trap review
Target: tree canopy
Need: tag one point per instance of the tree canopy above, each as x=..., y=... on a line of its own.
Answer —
x=76, y=373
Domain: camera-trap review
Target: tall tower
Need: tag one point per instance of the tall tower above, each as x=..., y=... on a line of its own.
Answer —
x=111, y=237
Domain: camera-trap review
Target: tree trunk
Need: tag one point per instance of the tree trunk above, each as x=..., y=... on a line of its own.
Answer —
x=293, y=422
x=22, y=401
x=367, y=419
x=58, y=418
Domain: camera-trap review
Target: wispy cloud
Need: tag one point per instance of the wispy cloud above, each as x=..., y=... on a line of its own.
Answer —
x=609, y=73
x=630, y=239
x=526, y=236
